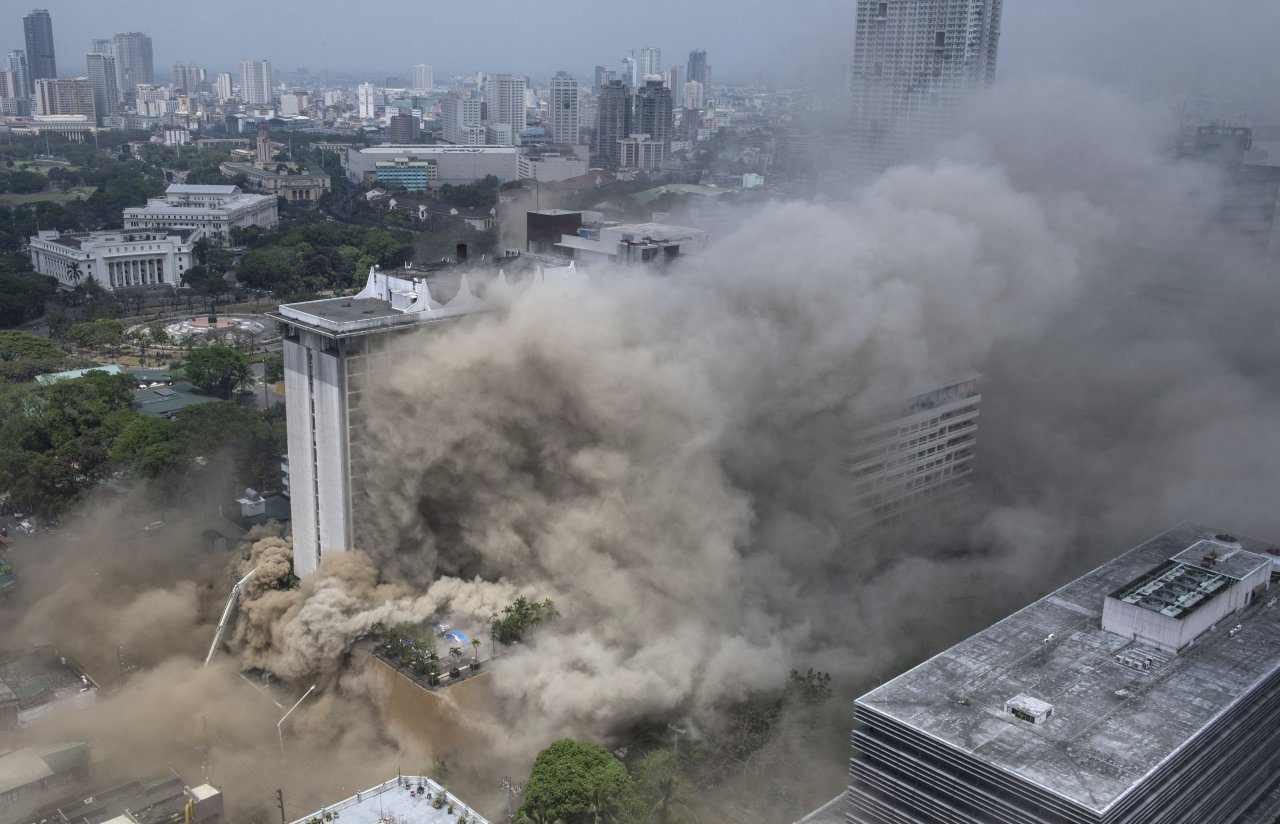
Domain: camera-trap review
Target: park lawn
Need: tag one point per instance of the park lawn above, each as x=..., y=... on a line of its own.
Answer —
x=75, y=193
x=40, y=166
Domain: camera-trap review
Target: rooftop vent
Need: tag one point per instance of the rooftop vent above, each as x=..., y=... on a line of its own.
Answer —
x=1026, y=708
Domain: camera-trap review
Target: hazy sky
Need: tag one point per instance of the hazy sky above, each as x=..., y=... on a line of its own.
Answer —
x=1149, y=41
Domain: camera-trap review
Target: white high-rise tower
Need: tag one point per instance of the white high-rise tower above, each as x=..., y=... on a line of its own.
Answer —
x=914, y=64
x=255, y=82
x=563, y=109
x=423, y=77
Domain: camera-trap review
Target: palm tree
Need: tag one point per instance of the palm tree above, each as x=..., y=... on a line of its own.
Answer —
x=243, y=378
x=456, y=654
x=671, y=806
x=475, y=659
x=601, y=808
x=539, y=817
x=73, y=272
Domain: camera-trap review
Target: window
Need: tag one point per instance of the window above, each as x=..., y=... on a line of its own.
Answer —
x=877, y=70
x=940, y=39
x=882, y=10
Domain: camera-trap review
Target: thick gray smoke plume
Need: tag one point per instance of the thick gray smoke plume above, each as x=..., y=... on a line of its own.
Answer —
x=661, y=453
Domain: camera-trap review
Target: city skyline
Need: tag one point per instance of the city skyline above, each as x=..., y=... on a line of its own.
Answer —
x=759, y=37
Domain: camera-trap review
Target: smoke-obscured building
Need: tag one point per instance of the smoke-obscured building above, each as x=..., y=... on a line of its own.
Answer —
x=915, y=63
x=654, y=107
x=918, y=455
x=333, y=349
x=1145, y=692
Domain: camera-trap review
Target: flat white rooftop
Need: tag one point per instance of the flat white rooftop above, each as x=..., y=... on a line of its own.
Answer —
x=398, y=800
x=1111, y=724
x=436, y=148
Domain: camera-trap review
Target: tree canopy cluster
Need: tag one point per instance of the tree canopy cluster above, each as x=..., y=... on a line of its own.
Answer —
x=574, y=782
x=218, y=370
x=520, y=617
x=315, y=254
x=58, y=440
x=23, y=356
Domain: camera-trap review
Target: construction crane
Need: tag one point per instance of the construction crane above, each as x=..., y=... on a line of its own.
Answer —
x=226, y=614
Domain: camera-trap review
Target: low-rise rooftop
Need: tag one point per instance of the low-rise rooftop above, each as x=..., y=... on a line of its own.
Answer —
x=406, y=799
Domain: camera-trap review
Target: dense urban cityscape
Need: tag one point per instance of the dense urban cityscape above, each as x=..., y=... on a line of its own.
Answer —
x=858, y=411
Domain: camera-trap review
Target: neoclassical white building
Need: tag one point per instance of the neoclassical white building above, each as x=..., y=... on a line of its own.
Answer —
x=115, y=259
x=215, y=209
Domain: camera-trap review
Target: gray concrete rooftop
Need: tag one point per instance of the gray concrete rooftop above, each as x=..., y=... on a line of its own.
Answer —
x=1111, y=724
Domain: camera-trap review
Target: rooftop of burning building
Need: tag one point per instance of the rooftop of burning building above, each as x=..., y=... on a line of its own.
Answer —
x=404, y=800
x=409, y=295
x=1111, y=724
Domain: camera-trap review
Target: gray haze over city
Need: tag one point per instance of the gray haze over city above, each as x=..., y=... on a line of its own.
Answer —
x=699, y=434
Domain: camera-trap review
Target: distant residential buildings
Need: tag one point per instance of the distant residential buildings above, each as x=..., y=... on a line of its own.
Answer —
x=403, y=128
x=367, y=101
x=103, y=81
x=562, y=109
x=133, y=61
x=37, y=27
x=915, y=63
x=603, y=77
x=505, y=99
x=460, y=120
x=693, y=95
x=423, y=77
x=650, y=63
x=186, y=78
x=642, y=152
x=654, y=108
x=19, y=81
x=613, y=122
x=65, y=96
x=697, y=68
x=222, y=87
x=255, y=82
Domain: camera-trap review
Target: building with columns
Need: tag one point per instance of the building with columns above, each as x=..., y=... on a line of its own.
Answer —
x=115, y=259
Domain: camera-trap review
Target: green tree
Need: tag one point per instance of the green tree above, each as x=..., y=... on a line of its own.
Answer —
x=98, y=334
x=150, y=445
x=273, y=368
x=662, y=794
x=219, y=370
x=205, y=280
x=567, y=775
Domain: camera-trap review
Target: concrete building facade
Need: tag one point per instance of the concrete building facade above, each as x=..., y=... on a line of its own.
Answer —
x=1068, y=713
x=37, y=28
x=215, y=209
x=454, y=164
x=103, y=81
x=255, y=82
x=654, y=108
x=915, y=63
x=65, y=96
x=505, y=99
x=922, y=452
x=115, y=259
x=562, y=109
x=133, y=61
x=460, y=120
x=614, y=120
x=424, y=78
